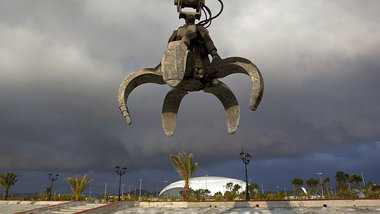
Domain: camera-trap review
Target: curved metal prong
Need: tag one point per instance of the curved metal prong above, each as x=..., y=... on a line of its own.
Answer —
x=230, y=104
x=139, y=77
x=233, y=65
x=170, y=109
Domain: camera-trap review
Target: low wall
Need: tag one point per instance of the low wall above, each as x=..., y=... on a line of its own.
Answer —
x=265, y=204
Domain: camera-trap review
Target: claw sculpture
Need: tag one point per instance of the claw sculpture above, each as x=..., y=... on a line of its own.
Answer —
x=185, y=66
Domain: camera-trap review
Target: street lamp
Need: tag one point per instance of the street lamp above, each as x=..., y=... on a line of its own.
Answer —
x=245, y=157
x=120, y=172
x=52, y=178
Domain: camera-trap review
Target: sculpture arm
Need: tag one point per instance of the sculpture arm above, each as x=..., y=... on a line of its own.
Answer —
x=235, y=65
x=230, y=104
x=139, y=77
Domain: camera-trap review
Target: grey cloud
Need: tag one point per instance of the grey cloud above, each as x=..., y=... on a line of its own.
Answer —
x=62, y=63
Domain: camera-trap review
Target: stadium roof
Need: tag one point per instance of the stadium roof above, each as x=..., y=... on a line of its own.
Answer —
x=212, y=183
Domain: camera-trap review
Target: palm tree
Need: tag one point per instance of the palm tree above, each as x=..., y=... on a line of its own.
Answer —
x=185, y=167
x=78, y=185
x=7, y=180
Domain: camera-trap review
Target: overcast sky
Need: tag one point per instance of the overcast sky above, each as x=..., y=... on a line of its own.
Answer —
x=61, y=64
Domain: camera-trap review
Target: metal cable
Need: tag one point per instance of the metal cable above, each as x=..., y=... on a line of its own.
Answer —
x=207, y=22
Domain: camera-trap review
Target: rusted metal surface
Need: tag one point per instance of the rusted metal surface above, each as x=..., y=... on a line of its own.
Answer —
x=173, y=63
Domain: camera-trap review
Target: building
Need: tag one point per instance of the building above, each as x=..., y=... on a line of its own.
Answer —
x=211, y=183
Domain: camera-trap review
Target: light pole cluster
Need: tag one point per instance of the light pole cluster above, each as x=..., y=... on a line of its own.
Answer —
x=52, y=178
x=245, y=157
x=120, y=172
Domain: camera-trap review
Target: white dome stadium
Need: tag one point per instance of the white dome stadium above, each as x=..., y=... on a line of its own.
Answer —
x=212, y=183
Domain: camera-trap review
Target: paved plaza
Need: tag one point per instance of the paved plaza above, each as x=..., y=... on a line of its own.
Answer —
x=14, y=208
x=248, y=210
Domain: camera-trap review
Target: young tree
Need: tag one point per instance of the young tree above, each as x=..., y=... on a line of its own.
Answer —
x=376, y=190
x=355, y=180
x=253, y=188
x=232, y=191
x=341, y=184
x=372, y=190
x=218, y=196
x=78, y=185
x=297, y=184
x=6, y=181
x=47, y=193
x=201, y=194
x=312, y=184
x=183, y=164
x=325, y=185
x=341, y=180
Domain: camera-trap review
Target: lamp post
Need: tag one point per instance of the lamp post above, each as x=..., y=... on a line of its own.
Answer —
x=52, y=178
x=245, y=157
x=120, y=172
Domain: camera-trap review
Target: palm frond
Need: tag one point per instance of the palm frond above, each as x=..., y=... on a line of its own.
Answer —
x=183, y=164
x=78, y=185
x=8, y=179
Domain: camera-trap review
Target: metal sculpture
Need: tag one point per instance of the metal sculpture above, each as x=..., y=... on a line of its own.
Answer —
x=186, y=67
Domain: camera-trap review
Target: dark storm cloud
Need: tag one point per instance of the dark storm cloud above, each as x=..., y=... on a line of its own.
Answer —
x=61, y=64
x=352, y=159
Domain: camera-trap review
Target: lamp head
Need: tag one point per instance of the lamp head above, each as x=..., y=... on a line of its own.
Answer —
x=248, y=157
x=245, y=157
x=242, y=155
